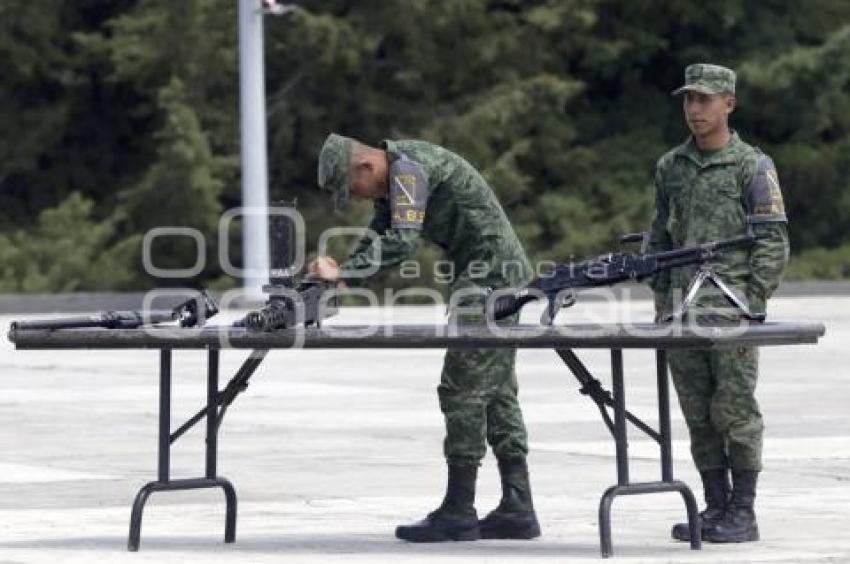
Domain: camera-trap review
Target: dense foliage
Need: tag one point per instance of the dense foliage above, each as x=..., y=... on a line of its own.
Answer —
x=122, y=115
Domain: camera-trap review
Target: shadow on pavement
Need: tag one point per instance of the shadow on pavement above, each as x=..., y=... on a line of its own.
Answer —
x=353, y=544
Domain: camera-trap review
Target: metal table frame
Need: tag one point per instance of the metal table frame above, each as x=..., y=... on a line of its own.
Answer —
x=218, y=400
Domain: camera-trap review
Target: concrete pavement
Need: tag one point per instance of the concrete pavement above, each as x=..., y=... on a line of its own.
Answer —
x=330, y=450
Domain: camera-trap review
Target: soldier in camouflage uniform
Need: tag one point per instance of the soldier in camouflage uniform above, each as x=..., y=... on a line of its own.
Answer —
x=716, y=186
x=421, y=190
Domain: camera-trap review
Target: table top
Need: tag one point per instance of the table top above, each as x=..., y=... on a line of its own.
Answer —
x=580, y=336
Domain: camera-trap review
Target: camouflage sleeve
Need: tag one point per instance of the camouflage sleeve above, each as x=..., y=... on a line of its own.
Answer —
x=379, y=223
x=659, y=240
x=766, y=216
x=372, y=254
x=768, y=259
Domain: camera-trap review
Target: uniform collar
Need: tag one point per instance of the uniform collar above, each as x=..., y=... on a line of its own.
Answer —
x=392, y=149
x=726, y=155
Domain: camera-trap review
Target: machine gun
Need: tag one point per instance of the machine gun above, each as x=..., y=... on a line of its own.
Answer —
x=190, y=313
x=281, y=310
x=285, y=295
x=613, y=268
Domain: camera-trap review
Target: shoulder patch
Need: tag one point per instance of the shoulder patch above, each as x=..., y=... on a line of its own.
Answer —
x=408, y=193
x=764, y=196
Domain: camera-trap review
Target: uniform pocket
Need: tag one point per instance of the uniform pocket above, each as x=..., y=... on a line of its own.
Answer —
x=729, y=191
x=726, y=213
x=677, y=210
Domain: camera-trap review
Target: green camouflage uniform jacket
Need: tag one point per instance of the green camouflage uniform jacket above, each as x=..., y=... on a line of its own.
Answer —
x=703, y=198
x=436, y=194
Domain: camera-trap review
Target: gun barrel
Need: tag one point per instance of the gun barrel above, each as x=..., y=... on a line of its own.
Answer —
x=689, y=255
x=60, y=323
x=106, y=319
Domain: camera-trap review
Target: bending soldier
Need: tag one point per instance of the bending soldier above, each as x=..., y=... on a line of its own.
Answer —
x=421, y=190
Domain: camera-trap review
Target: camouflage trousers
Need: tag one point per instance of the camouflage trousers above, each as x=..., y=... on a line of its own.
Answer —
x=716, y=391
x=478, y=398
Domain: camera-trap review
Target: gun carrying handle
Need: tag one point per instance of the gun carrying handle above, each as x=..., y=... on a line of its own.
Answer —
x=641, y=237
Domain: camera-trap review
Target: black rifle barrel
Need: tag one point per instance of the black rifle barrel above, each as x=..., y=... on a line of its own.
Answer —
x=108, y=319
x=704, y=248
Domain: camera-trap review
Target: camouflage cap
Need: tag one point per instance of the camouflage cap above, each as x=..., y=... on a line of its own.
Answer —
x=707, y=79
x=332, y=170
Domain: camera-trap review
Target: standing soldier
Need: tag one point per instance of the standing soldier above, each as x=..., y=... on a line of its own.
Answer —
x=422, y=190
x=716, y=186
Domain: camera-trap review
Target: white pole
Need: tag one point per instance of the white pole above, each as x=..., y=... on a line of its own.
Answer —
x=252, y=105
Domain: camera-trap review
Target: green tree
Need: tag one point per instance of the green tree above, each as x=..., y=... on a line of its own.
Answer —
x=564, y=106
x=800, y=106
x=181, y=188
x=68, y=249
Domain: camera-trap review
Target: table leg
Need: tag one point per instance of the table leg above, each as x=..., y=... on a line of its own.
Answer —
x=663, y=437
x=665, y=430
x=620, y=431
x=164, y=481
x=664, y=416
x=622, y=449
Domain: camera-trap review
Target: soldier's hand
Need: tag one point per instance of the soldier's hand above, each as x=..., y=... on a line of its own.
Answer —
x=325, y=268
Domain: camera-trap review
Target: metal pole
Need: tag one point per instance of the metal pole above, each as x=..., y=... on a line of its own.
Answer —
x=252, y=105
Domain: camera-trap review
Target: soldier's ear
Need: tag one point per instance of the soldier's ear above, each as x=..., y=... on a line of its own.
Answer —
x=361, y=165
x=730, y=103
x=367, y=167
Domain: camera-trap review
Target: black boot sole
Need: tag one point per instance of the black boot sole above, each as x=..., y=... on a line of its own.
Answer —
x=681, y=532
x=749, y=536
x=681, y=536
x=430, y=535
x=515, y=529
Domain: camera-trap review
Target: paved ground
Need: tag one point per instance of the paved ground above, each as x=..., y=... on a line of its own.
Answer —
x=329, y=451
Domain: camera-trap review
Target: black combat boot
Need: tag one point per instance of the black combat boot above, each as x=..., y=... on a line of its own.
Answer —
x=455, y=519
x=739, y=524
x=514, y=518
x=716, y=488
